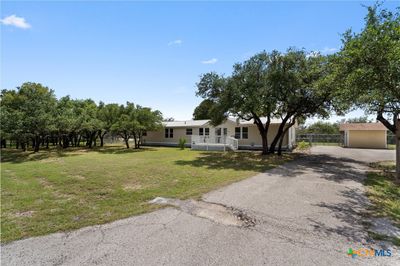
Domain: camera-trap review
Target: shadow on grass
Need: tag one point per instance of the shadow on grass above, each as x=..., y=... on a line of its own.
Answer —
x=248, y=161
x=330, y=168
x=120, y=149
x=18, y=156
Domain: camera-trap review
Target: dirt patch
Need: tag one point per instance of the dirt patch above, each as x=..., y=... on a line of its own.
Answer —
x=52, y=160
x=215, y=212
x=44, y=182
x=132, y=187
x=24, y=214
x=80, y=177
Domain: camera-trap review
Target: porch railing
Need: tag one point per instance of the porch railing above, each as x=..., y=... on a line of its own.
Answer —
x=223, y=140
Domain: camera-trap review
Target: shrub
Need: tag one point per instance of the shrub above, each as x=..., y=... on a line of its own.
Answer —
x=182, y=142
x=302, y=145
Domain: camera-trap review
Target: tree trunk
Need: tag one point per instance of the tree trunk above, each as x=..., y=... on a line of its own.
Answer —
x=126, y=138
x=278, y=135
x=127, y=143
x=91, y=139
x=139, y=141
x=135, y=140
x=263, y=132
x=280, y=143
x=37, y=144
x=264, y=144
x=398, y=150
x=3, y=143
x=65, y=141
x=102, y=139
x=283, y=135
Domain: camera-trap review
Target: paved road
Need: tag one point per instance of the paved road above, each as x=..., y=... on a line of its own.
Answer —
x=307, y=212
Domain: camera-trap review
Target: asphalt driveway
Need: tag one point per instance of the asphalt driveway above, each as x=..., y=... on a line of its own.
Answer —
x=306, y=212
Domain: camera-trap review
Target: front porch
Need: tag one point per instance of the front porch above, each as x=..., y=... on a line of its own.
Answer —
x=213, y=143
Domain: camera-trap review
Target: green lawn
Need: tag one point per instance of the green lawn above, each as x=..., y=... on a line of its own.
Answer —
x=62, y=190
x=384, y=193
x=325, y=144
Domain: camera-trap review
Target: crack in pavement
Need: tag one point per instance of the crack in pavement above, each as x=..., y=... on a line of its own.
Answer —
x=215, y=212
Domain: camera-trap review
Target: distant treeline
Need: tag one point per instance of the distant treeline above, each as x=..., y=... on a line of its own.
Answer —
x=323, y=127
x=31, y=116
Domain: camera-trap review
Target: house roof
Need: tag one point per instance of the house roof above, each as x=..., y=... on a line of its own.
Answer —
x=263, y=120
x=362, y=126
x=199, y=123
x=186, y=123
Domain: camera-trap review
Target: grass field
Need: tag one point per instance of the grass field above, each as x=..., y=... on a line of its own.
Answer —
x=62, y=190
x=384, y=193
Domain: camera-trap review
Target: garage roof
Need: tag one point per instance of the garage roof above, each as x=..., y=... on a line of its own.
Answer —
x=362, y=126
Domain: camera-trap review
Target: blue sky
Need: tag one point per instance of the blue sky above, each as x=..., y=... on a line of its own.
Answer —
x=152, y=53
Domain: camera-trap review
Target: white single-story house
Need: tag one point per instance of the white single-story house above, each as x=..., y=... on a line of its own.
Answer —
x=364, y=135
x=232, y=134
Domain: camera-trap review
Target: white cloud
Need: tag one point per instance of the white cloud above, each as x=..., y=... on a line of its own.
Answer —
x=328, y=50
x=175, y=42
x=313, y=54
x=15, y=21
x=210, y=62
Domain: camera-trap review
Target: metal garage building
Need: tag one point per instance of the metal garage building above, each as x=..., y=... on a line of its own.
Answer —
x=364, y=135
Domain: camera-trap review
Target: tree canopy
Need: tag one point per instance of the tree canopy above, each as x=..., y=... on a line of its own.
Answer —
x=203, y=110
x=288, y=86
x=321, y=127
x=367, y=69
x=32, y=114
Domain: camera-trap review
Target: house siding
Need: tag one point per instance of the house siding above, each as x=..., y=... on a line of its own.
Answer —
x=252, y=142
x=255, y=140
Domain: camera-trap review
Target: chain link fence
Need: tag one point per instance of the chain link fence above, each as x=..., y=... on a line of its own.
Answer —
x=391, y=138
x=321, y=139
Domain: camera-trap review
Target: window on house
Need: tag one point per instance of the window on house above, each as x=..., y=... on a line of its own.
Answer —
x=207, y=131
x=218, y=131
x=225, y=131
x=237, y=132
x=169, y=133
x=245, y=132
x=201, y=131
x=189, y=131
